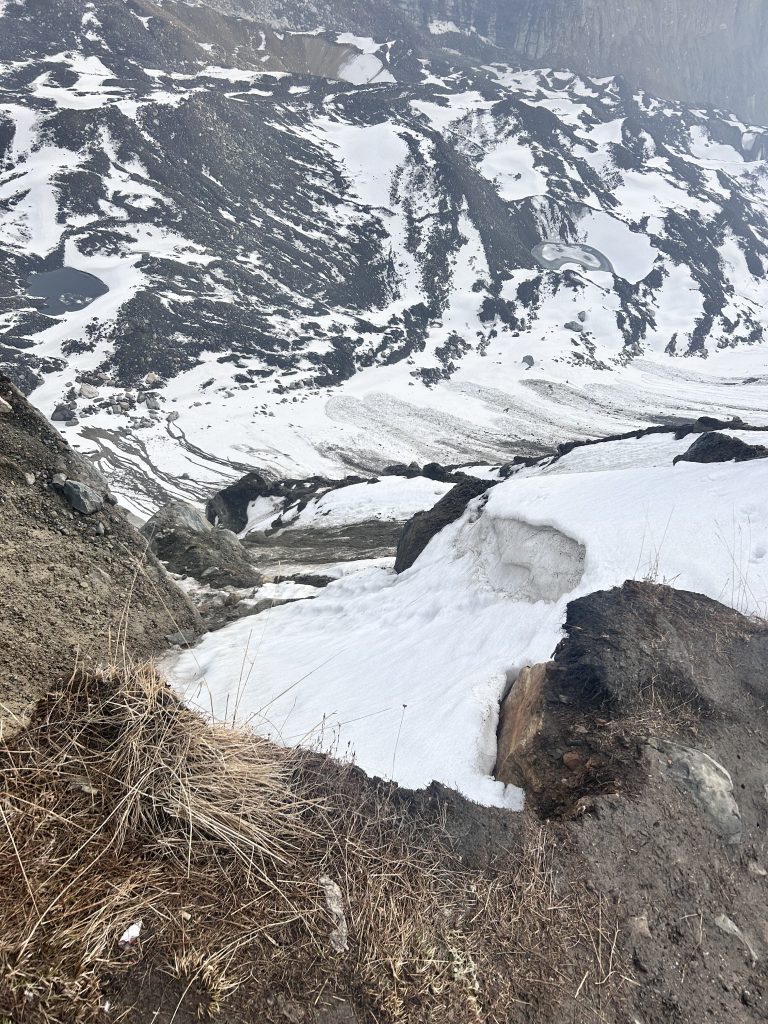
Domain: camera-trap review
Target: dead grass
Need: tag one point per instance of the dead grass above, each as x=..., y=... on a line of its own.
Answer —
x=118, y=804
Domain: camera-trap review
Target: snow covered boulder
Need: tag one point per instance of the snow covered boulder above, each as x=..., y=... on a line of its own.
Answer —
x=715, y=447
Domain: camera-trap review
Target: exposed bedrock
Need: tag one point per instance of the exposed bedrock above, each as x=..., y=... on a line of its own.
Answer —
x=420, y=530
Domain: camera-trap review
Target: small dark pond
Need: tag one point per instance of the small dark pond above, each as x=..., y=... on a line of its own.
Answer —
x=65, y=289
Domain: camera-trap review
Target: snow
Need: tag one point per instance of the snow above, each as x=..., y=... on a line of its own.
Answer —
x=441, y=28
x=405, y=673
x=512, y=166
x=364, y=69
x=630, y=253
x=392, y=498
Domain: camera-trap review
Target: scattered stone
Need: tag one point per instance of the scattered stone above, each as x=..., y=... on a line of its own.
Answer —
x=151, y=378
x=181, y=637
x=575, y=325
x=639, y=926
x=572, y=760
x=583, y=316
x=82, y=498
x=707, y=781
x=88, y=391
x=754, y=869
x=335, y=901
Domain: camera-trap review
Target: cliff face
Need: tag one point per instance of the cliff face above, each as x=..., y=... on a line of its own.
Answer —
x=709, y=52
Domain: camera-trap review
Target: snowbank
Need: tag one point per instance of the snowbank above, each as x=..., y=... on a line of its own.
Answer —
x=405, y=673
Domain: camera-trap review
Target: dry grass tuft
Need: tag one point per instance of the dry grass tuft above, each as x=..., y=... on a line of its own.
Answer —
x=265, y=881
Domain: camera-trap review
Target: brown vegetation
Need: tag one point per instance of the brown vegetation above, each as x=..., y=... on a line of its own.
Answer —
x=267, y=882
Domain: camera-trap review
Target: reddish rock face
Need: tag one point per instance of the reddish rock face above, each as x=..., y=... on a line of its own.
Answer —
x=520, y=723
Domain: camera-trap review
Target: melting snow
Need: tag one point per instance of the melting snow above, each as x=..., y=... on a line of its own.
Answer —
x=427, y=655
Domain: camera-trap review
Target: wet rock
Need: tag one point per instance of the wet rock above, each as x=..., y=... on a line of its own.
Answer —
x=420, y=530
x=82, y=498
x=708, y=783
x=714, y=447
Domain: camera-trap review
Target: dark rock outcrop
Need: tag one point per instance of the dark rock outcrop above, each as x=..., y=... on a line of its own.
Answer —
x=420, y=530
x=714, y=447
x=637, y=661
x=184, y=539
x=228, y=508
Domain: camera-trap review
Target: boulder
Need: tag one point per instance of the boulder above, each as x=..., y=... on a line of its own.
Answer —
x=88, y=391
x=228, y=508
x=420, y=530
x=83, y=498
x=520, y=722
x=710, y=785
x=63, y=413
x=182, y=537
x=638, y=663
x=715, y=447
x=5, y=407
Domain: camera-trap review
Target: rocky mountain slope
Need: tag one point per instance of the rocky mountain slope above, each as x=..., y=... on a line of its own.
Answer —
x=77, y=584
x=323, y=250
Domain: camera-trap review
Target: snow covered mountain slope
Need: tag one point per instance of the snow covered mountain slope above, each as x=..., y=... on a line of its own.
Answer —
x=327, y=251
x=405, y=673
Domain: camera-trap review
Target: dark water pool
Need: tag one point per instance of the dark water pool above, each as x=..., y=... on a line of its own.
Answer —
x=65, y=289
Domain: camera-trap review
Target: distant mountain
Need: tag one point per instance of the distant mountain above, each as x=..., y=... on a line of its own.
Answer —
x=329, y=249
